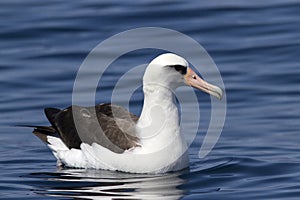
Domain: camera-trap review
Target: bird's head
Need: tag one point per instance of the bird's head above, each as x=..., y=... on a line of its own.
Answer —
x=171, y=70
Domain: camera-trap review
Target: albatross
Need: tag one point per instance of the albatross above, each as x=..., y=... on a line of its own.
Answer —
x=109, y=137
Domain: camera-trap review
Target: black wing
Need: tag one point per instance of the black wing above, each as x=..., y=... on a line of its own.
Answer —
x=117, y=132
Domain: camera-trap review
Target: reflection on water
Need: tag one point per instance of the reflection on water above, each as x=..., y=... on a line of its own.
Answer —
x=100, y=184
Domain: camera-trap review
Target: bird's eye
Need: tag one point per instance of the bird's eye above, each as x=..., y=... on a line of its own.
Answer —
x=194, y=77
x=180, y=68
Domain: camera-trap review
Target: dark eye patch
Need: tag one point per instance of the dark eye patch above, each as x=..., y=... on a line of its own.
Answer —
x=181, y=69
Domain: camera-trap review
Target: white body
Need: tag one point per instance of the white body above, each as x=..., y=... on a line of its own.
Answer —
x=162, y=149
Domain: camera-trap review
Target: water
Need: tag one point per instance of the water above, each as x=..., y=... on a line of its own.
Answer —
x=256, y=46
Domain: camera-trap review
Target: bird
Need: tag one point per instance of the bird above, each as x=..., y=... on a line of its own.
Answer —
x=108, y=137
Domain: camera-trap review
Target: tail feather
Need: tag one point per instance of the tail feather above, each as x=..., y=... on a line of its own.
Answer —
x=42, y=131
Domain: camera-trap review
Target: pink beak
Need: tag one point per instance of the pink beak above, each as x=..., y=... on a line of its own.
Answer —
x=192, y=79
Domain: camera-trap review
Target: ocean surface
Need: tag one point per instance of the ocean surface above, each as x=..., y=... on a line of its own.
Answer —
x=256, y=46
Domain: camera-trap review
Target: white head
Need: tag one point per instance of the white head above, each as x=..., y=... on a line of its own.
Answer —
x=172, y=71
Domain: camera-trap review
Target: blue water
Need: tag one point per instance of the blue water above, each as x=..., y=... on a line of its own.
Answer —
x=255, y=45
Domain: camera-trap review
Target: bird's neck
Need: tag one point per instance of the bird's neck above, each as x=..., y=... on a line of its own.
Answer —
x=158, y=94
x=159, y=118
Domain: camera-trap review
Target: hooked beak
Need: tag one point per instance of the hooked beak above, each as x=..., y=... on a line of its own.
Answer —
x=192, y=79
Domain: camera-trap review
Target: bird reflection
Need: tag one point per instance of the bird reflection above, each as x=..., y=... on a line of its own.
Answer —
x=99, y=184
